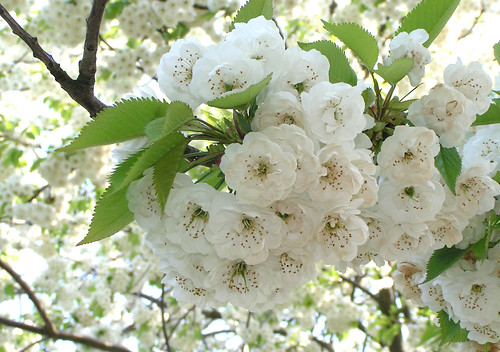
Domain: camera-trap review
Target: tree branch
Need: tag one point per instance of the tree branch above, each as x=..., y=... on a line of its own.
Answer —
x=323, y=344
x=49, y=326
x=358, y=286
x=163, y=321
x=80, y=90
x=62, y=335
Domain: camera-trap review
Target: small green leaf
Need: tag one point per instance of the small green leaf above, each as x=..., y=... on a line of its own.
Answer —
x=120, y=172
x=165, y=170
x=450, y=331
x=36, y=164
x=369, y=97
x=111, y=214
x=491, y=116
x=396, y=71
x=150, y=156
x=496, y=51
x=123, y=121
x=240, y=100
x=443, y=259
x=430, y=15
x=253, y=9
x=340, y=70
x=358, y=39
x=9, y=290
x=480, y=248
x=497, y=177
x=402, y=105
x=449, y=164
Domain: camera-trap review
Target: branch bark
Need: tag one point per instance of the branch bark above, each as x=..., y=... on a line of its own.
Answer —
x=63, y=335
x=81, y=89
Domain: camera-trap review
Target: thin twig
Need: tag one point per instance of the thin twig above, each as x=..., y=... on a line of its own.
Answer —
x=33, y=344
x=49, y=326
x=63, y=335
x=323, y=344
x=358, y=286
x=476, y=21
x=37, y=193
x=163, y=321
x=227, y=331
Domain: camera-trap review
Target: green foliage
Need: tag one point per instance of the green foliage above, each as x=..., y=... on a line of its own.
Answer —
x=165, y=170
x=443, y=259
x=111, y=214
x=123, y=121
x=450, y=331
x=340, y=70
x=253, y=9
x=449, y=164
x=150, y=156
x=240, y=100
x=396, y=71
x=496, y=51
x=491, y=116
x=114, y=9
x=178, y=115
x=480, y=248
x=369, y=97
x=358, y=39
x=430, y=15
x=120, y=172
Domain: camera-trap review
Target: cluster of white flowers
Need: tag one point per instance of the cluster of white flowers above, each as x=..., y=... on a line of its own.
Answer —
x=298, y=179
x=467, y=291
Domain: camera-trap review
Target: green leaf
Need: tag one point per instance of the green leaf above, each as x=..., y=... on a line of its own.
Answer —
x=165, y=170
x=123, y=121
x=369, y=97
x=178, y=115
x=430, y=15
x=396, y=71
x=150, y=156
x=36, y=164
x=496, y=51
x=491, y=116
x=449, y=164
x=154, y=129
x=340, y=70
x=480, y=248
x=111, y=214
x=442, y=259
x=253, y=9
x=497, y=177
x=358, y=39
x=450, y=331
x=240, y=100
x=120, y=172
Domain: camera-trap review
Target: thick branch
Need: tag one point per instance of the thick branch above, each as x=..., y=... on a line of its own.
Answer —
x=49, y=328
x=62, y=335
x=78, y=90
x=88, y=64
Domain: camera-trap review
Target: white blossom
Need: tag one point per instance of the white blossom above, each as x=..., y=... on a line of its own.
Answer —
x=279, y=108
x=407, y=157
x=411, y=45
x=472, y=82
x=334, y=111
x=484, y=145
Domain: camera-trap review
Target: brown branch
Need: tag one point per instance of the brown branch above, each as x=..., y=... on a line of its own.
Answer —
x=49, y=327
x=27, y=348
x=80, y=90
x=323, y=344
x=88, y=64
x=63, y=335
x=467, y=32
x=358, y=286
x=213, y=333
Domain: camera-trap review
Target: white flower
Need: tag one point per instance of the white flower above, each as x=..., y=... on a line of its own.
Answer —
x=242, y=284
x=407, y=157
x=407, y=278
x=334, y=112
x=473, y=294
x=472, y=82
x=224, y=70
x=410, y=45
x=432, y=296
x=293, y=268
x=446, y=232
x=175, y=71
x=411, y=204
x=185, y=290
x=300, y=219
x=260, y=39
x=406, y=240
x=309, y=69
x=293, y=139
x=482, y=333
x=341, y=179
x=259, y=170
x=445, y=111
x=243, y=232
x=475, y=190
x=340, y=233
x=484, y=145
x=279, y=108
x=187, y=214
